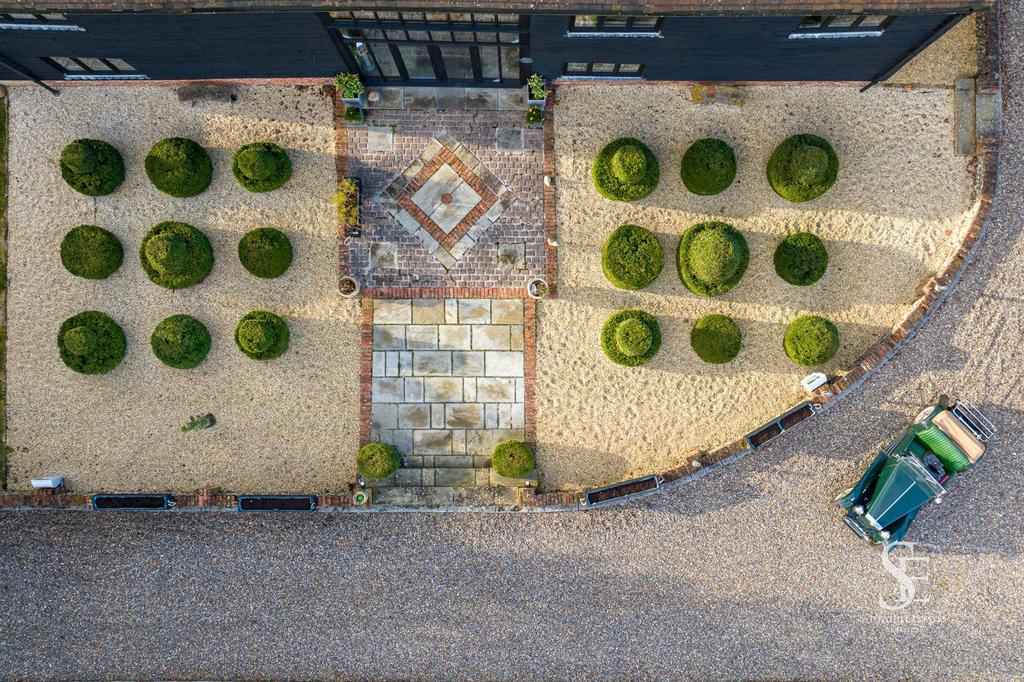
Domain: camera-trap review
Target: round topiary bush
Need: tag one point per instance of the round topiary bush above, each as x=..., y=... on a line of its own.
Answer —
x=513, y=459
x=378, y=460
x=179, y=167
x=712, y=258
x=92, y=167
x=91, y=342
x=261, y=166
x=632, y=257
x=265, y=252
x=91, y=252
x=175, y=255
x=630, y=337
x=262, y=335
x=625, y=170
x=801, y=259
x=811, y=340
x=180, y=341
x=716, y=339
x=708, y=167
x=802, y=168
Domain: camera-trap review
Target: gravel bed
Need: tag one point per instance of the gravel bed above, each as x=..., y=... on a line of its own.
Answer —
x=286, y=425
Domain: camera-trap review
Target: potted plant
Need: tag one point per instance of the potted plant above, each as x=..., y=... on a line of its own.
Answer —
x=538, y=90
x=351, y=89
x=535, y=116
x=537, y=288
x=348, y=286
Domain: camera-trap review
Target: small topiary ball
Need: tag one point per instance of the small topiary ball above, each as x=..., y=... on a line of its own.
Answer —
x=513, y=459
x=801, y=259
x=625, y=170
x=91, y=343
x=630, y=337
x=802, y=168
x=378, y=460
x=91, y=252
x=629, y=163
x=632, y=257
x=180, y=341
x=175, y=255
x=708, y=167
x=716, y=339
x=265, y=252
x=262, y=335
x=261, y=166
x=811, y=340
x=633, y=337
x=92, y=167
x=179, y=167
x=712, y=258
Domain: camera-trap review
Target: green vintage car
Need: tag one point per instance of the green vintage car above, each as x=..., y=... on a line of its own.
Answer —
x=944, y=440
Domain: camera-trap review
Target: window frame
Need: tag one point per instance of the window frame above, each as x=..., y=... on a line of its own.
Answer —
x=37, y=21
x=826, y=30
x=614, y=74
x=628, y=30
x=86, y=72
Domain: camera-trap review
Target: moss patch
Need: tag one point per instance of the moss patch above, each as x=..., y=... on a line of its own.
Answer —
x=625, y=170
x=708, y=166
x=802, y=168
x=712, y=258
x=716, y=339
x=632, y=257
x=91, y=252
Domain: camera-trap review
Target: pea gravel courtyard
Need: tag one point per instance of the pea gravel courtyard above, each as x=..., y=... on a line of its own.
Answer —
x=896, y=212
x=290, y=424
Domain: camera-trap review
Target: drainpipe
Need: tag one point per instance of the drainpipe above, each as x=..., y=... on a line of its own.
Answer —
x=13, y=66
x=912, y=52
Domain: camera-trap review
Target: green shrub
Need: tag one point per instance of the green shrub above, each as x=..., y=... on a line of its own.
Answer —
x=811, y=340
x=632, y=257
x=91, y=252
x=802, y=168
x=625, y=170
x=708, y=167
x=537, y=86
x=262, y=335
x=378, y=460
x=712, y=258
x=716, y=339
x=180, y=341
x=91, y=343
x=261, y=166
x=512, y=459
x=179, y=167
x=801, y=259
x=349, y=85
x=175, y=255
x=92, y=167
x=625, y=343
x=265, y=252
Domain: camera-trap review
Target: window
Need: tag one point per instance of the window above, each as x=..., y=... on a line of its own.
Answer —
x=602, y=70
x=841, y=26
x=95, y=68
x=37, y=22
x=583, y=25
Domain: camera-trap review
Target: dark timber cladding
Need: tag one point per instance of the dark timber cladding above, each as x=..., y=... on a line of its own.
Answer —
x=479, y=43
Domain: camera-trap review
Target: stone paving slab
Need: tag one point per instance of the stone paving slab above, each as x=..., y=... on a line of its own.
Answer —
x=448, y=383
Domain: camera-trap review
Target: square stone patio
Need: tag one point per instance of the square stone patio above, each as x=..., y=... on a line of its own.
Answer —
x=440, y=191
x=448, y=383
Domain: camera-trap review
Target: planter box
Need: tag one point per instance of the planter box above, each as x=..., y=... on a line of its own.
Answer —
x=356, y=229
x=542, y=103
x=277, y=503
x=788, y=420
x=617, y=491
x=359, y=102
x=132, y=502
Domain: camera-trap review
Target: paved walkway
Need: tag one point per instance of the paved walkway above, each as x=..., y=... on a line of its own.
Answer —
x=746, y=573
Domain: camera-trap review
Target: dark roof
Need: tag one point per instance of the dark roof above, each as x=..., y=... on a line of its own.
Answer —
x=659, y=7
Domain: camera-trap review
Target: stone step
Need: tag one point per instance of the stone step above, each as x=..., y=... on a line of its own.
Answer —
x=467, y=476
x=441, y=497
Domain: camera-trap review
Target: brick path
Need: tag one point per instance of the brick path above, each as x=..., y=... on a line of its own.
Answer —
x=388, y=255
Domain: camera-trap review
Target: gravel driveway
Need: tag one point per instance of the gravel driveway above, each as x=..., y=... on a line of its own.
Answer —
x=747, y=573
